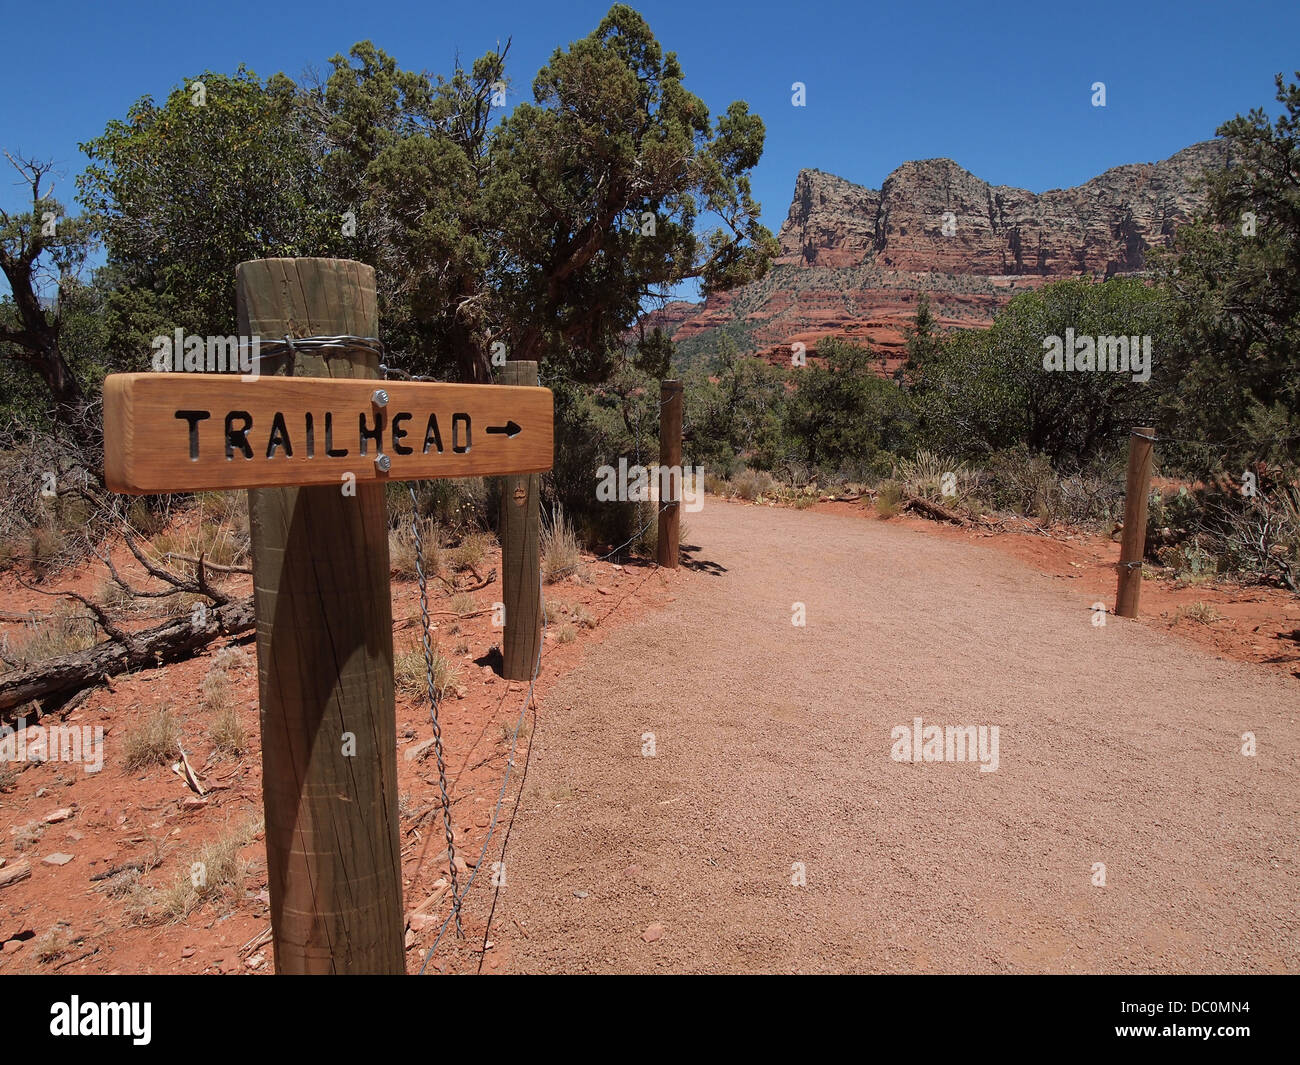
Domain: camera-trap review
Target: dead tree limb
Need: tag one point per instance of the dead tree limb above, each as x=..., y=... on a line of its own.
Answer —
x=934, y=510
x=207, y=565
x=110, y=627
x=54, y=682
x=196, y=586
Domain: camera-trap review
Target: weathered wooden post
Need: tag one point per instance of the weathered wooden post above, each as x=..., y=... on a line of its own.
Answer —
x=325, y=657
x=315, y=441
x=1133, y=543
x=670, y=483
x=519, y=532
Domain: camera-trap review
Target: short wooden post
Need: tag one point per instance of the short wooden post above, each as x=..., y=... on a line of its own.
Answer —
x=325, y=657
x=670, y=483
x=520, y=533
x=1133, y=544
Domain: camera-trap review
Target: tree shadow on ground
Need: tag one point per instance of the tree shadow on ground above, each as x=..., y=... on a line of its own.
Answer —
x=700, y=565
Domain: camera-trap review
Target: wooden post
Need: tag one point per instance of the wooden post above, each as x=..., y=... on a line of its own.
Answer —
x=670, y=455
x=325, y=657
x=1133, y=544
x=521, y=578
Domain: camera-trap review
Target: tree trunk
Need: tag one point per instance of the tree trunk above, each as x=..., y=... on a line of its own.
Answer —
x=56, y=681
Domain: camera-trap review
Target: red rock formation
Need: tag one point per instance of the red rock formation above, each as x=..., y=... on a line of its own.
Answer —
x=854, y=260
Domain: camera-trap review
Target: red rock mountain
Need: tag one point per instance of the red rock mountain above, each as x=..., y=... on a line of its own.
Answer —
x=853, y=260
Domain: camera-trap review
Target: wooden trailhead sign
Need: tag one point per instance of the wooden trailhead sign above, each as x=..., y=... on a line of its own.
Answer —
x=314, y=441
x=186, y=432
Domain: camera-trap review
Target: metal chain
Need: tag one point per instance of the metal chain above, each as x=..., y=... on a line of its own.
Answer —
x=433, y=702
x=432, y=688
x=427, y=641
x=291, y=345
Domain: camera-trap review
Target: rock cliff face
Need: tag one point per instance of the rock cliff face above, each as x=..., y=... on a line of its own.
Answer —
x=853, y=259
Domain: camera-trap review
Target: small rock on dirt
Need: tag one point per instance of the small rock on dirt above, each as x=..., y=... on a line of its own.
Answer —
x=55, y=816
x=58, y=858
x=653, y=933
x=581, y=894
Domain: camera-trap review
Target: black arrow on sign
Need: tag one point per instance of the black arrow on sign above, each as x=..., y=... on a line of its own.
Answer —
x=509, y=429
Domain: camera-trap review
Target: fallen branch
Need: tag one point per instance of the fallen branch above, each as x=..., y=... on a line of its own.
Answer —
x=80, y=957
x=208, y=565
x=260, y=940
x=108, y=874
x=59, y=679
x=106, y=623
x=934, y=510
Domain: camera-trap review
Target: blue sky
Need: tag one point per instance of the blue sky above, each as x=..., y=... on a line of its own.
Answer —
x=1002, y=88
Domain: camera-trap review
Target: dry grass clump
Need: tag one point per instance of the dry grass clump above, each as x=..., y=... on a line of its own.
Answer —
x=152, y=740
x=889, y=500
x=229, y=658
x=215, y=691
x=410, y=675
x=216, y=871
x=217, y=542
x=716, y=485
x=463, y=603
x=27, y=835
x=55, y=943
x=751, y=484
x=401, y=549
x=560, y=553
x=67, y=630
x=928, y=473
x=227, y=732
x=1203, y=612
x=471, y=551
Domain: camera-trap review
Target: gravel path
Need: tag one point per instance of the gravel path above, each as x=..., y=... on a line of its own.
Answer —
x=1116, y=745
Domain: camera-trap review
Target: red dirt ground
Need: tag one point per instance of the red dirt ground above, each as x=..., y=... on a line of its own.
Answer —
x=119, y=817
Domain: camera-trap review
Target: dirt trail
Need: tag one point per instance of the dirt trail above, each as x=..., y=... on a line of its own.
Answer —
x=1117, y=745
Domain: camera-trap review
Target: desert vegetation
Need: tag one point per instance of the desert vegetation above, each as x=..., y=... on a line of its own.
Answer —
x=1220, y=308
